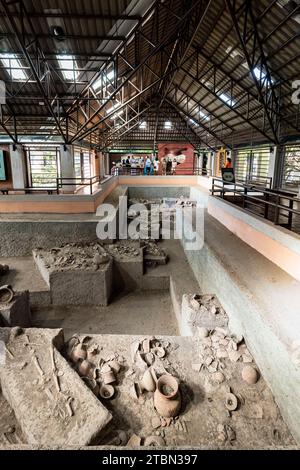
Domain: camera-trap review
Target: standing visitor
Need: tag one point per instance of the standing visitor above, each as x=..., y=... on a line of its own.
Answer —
x=169, y=167
x=228, y=163
x=174, y=165
x=156, y=166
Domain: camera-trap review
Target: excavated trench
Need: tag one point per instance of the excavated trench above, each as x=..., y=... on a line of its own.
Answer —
x=225, y=401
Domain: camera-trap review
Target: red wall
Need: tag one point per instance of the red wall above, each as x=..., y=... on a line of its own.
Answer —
x=174, y=148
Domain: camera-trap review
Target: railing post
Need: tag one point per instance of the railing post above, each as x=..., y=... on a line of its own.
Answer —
x=266, y=212
x=276, y=217
x=57, y=185
x=290, y=217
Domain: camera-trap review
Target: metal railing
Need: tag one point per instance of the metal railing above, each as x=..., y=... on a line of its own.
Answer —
x=55, y=186
x=274, y=205
x=62, y=183
x=29, y=190
x=131, y=171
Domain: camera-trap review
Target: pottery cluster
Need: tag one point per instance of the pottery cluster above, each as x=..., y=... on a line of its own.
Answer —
x=99, y=375
x=73, y=256
x=167, y=395
x=217, y=348
x=206, y=311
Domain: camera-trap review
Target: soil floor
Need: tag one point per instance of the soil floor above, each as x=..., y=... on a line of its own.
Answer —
x=134, y=313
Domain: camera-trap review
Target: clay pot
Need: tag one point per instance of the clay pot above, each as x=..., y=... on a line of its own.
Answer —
x=6, y=294
x=108, y=377
x=147, y=383
x=106, y=391
x=115, y=366
x=85, y=368
x=231, y=402
x=78, y=352
x=167, y=398
x=250, y=375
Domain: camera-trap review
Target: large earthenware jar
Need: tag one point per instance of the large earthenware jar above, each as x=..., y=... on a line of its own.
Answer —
x=167, y=398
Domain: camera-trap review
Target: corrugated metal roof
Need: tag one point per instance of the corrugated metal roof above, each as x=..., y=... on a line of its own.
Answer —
x=214, y=64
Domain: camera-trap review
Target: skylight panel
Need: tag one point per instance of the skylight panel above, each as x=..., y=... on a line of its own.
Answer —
x=143, y=125
x=227, y=99
x=192, y=121
x=259, y=74
x=98, y=83
x=68, y=65
x=168, y=125
x=204, y=116
x=13, y=66
x=113, y=108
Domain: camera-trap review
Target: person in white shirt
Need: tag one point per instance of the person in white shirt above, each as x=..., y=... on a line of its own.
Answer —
x=156, y=166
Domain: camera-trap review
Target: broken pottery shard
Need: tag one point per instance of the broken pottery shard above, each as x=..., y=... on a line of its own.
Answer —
x=155, y=422
x=234, y=355
x=213, y=310
x=149, y=358
x=230, y=433
x=155, y=441
x=209, y=360
x=134, y=441
x=129, y=372
x=105, y=368
x=134, y=347
x=146, y=345
x=134, y=393
x=218, y=377
x=160, y=352
x=202, y=332
x=247, y=358
x=222, y=353
x=195, y=301
x=141, y=364
x=196, y=366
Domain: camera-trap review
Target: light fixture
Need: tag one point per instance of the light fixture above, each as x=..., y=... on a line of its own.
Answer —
x=58, y=33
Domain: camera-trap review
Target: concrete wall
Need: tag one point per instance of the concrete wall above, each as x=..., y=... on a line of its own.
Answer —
x=278, y=244
x=57, y=204
x=154, y=192
x=19, y=238
x=158, y=180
